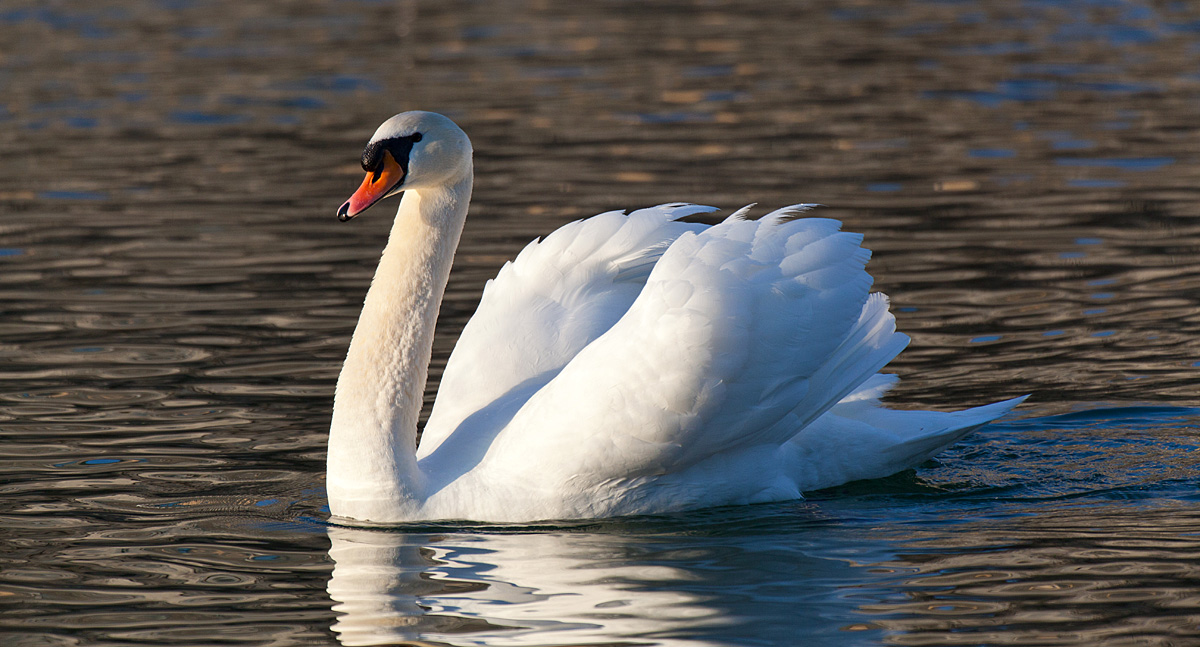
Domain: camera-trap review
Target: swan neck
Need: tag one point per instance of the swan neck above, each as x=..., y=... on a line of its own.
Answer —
x=373, y=436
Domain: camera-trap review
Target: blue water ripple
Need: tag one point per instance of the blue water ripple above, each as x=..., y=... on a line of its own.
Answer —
x=1123, y=163
x=992, y=153
x=207, y=118
x=1072, y=144
x=72, y=195
x=669, y=117
x=707, y=71
x=337, y=83
x=1095, y=184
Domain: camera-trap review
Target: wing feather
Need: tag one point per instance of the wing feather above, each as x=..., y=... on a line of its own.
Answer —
x=556, y=297
x=742, y=331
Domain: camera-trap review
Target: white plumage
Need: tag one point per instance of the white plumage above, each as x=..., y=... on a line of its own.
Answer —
x=626, y=364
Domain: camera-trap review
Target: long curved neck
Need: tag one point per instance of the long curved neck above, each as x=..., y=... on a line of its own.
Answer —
x=372, y=469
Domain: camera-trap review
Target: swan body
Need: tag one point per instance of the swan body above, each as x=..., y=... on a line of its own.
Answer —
x=625, y=364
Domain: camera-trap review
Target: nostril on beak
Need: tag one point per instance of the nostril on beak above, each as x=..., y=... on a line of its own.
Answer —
x=343, y=212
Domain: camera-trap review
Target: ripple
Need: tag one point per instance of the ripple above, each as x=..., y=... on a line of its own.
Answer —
x=84, y=397
x=71, y=195
x=23, y=330
x=112, y=354
x=177, y=303
x=286, y=390
x=1125, y=164
x=283, y=368
x=131, y=323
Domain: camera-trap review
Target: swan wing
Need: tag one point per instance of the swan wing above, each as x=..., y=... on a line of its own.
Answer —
x=744, y=333
x=555, y=298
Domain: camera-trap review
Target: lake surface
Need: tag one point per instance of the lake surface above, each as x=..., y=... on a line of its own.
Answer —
x=176, y=297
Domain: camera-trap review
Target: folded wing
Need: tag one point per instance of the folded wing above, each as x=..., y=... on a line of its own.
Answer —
x=743, y=333
x=540, y=311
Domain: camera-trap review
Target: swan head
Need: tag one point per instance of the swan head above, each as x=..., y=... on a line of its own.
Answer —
x=413, y=150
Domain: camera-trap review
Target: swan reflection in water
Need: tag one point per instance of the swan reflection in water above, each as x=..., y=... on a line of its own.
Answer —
x=576, y=588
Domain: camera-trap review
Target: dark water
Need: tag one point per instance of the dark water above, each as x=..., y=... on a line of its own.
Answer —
x=176, y=296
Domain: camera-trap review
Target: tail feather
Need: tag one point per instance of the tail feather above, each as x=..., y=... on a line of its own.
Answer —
x=859, y=439
x=920, y=448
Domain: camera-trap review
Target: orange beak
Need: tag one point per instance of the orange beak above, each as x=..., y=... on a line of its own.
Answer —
x=377, y=185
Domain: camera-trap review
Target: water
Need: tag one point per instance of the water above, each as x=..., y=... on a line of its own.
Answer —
x=176, y=296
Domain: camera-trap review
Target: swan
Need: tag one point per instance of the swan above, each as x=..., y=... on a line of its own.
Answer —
x=625, y=364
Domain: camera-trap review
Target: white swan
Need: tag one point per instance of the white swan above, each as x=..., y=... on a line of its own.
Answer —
x=626, y=364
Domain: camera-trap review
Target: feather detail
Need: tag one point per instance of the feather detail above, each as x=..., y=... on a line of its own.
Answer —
x=741, y=214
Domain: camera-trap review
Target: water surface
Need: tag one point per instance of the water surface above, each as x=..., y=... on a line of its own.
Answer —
x=176, y=297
